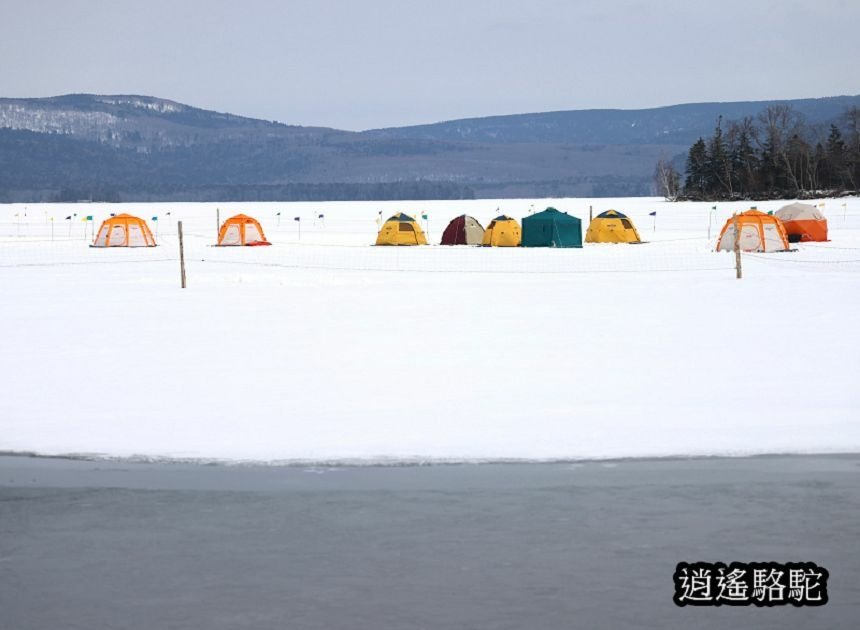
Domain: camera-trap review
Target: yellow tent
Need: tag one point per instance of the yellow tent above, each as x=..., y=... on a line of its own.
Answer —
x=612, y=227
x=401, y=229
x=503, y=231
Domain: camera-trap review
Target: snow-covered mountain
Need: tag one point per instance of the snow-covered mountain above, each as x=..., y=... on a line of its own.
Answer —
x=144, y=148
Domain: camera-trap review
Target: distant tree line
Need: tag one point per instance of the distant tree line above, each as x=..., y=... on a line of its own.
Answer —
x=774, y=155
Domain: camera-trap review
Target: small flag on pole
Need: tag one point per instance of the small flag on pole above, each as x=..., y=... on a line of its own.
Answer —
x=277, y=214
x=424, y=215
x=69, y=218
x=297, y=218
x=89, y=217
x=321, y=216
x=652, y=214
x=155, y=218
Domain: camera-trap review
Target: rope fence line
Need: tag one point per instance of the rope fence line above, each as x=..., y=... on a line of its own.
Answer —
x=818, y=246
x=471, y=271
x=87, y=262
x=800, y=262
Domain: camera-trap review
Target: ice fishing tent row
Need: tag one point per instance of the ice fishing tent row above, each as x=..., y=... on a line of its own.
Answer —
x=549, y=228
x=125, y=230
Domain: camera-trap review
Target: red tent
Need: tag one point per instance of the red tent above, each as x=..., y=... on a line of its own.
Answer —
x=463, y=230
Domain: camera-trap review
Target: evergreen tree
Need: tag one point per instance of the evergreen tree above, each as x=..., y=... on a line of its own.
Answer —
x=695, y=182
x=835, y=160
x=718, y=167
x=745, y=163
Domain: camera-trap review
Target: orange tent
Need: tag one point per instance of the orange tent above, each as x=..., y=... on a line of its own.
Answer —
x=241, y=230
x=760, y=232
x=803, y=222
x=124, y=230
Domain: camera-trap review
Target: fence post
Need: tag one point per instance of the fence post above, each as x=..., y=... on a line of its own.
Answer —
x=738, y=269
x=181, y=255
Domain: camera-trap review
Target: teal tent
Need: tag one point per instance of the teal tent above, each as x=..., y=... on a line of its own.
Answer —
x=552, y=228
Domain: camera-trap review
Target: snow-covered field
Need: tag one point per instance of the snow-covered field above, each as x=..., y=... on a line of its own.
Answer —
x=324, y=348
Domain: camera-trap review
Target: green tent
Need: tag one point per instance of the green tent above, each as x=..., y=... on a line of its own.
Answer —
x=552, y=228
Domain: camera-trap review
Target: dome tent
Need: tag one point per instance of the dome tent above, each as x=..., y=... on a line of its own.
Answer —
x=552, y=228
x=612, y=227
x=463, y=230
x=503, y=231
x=241, y=230
x=802, y=222
x=401, y=229
x=124, y=230
x=759, y=232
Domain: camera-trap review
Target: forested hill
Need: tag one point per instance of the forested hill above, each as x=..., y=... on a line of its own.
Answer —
x=139, y=148
x=662, y=125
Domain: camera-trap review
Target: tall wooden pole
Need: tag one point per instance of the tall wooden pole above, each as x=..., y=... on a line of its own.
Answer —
x=740, y=273
x=181, y=255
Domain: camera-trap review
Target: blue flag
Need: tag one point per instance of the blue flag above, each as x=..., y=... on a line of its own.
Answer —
x=155, y=218
x=297, y=218
x=652, y=214
x=322, y=216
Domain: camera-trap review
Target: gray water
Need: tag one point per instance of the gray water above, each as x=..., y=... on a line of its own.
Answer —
x=118, y=545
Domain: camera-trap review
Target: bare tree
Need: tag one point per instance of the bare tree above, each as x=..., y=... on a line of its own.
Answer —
x=667, y=179
x=781, y=123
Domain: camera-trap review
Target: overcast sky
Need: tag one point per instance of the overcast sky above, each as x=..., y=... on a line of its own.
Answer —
x=358, y=64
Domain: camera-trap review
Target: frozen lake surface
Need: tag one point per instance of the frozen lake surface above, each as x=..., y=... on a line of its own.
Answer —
x=88, y=544
x=324, y=348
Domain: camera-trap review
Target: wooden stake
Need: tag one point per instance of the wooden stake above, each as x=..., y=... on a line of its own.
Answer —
x=710, y=214
x=740, y=273
x=217, y=223
x=181, y=255
x=590, y=218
